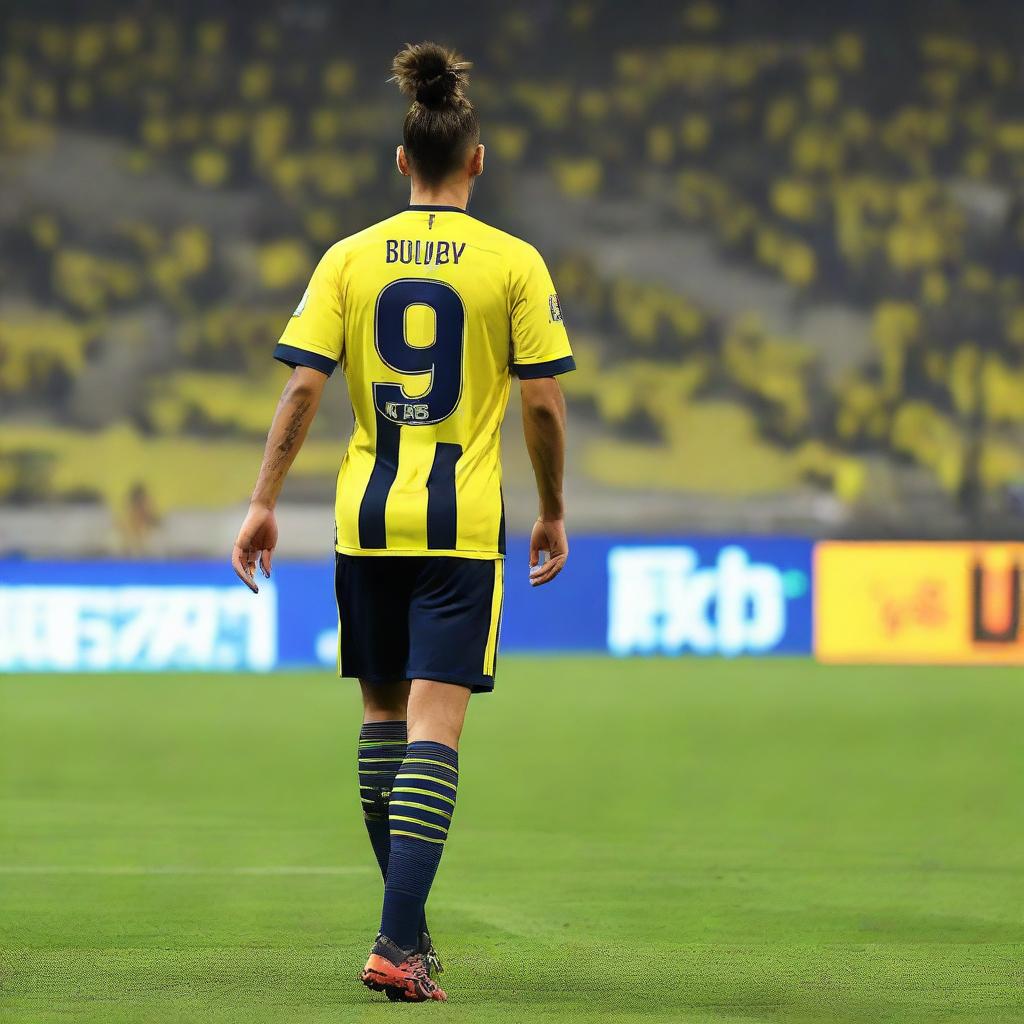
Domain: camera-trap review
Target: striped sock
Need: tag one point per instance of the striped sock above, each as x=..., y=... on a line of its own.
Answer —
x=381, y=750
x=421, y=807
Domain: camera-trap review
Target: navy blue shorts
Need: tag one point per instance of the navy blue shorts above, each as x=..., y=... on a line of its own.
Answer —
x=412, y=617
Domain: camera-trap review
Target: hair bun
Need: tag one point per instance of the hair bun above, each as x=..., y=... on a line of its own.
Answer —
x=431, y=75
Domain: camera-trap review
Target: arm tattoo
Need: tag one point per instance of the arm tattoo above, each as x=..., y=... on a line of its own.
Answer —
x=294, y=428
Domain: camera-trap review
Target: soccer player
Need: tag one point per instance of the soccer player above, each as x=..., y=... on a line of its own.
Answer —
x=430, y=314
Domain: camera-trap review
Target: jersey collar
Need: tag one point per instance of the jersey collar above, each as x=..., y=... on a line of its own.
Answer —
x=435, y=209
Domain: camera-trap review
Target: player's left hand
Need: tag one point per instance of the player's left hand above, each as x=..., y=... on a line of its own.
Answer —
x=255, y=542
x=547, y=535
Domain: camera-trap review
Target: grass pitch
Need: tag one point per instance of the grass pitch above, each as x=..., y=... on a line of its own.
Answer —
x=638, y=841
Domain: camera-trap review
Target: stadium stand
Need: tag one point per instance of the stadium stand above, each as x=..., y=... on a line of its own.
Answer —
x=140, y=306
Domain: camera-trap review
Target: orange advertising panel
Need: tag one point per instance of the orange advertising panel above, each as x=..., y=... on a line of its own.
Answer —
x=930, y=603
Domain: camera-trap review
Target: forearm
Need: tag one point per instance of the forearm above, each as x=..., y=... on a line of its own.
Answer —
x=544, y=430
x=299, y=402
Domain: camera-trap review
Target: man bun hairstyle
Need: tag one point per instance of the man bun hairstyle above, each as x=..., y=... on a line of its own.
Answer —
x=431, y=75
x=441, y=124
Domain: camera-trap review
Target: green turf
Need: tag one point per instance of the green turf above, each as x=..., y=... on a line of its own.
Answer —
x=635, y=841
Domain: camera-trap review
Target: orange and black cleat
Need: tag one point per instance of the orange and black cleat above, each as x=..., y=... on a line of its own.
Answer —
x=401, y=974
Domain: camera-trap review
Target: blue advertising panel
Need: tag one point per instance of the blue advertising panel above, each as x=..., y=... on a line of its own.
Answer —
x=669, y=596
x=704, y=595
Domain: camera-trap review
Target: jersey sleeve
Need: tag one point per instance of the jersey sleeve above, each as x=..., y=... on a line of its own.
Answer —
x=315, y=334
x=540, y=346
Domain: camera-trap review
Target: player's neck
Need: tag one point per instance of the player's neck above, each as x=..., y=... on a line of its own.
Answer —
x=445, y=194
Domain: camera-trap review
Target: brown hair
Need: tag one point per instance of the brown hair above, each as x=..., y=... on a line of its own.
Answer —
x=441, y=124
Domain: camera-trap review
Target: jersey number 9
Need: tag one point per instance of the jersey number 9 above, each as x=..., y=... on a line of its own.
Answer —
x=441, y=360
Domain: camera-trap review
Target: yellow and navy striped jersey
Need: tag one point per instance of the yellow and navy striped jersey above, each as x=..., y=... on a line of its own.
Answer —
x=429, y=314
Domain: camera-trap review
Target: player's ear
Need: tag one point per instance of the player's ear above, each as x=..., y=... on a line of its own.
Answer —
x=476, y=161
x=402, y=161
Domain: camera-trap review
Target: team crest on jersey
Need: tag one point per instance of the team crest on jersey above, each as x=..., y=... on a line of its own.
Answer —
x=302, y=303
x=554, y=308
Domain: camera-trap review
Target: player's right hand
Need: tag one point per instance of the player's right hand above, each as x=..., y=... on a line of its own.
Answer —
x=547, y=535
x=255, y=542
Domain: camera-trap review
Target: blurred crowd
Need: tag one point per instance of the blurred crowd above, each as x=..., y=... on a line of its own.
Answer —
x=881, y=172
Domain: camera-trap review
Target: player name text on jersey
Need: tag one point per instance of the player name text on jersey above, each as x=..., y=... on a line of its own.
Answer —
x=424, y=253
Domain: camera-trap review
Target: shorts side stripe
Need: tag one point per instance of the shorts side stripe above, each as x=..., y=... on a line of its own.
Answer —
x=491, y=650
x=337, y=604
